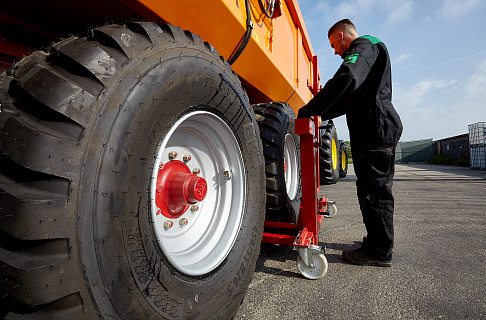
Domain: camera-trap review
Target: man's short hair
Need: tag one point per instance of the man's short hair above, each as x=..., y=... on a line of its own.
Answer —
x=342, y=24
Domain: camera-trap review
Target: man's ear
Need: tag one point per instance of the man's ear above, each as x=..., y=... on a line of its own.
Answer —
x=341, y=36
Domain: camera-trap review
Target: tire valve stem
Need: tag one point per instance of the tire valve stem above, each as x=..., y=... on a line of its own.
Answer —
x=168, y=224
x=226, y=175
x=172, y=155
x=183, y=222
x=187, y=158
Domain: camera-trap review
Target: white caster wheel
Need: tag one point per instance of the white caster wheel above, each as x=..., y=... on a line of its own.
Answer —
x=319, y=270
x=331, y=210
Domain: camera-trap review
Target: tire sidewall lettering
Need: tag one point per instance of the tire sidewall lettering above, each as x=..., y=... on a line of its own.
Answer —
x=128, y=192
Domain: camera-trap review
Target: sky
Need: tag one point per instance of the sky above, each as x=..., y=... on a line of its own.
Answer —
x=438, y=54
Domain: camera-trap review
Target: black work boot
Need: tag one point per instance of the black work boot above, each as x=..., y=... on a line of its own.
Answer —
x=359, y=257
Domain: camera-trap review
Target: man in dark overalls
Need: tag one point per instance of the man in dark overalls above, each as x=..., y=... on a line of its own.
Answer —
x=362, y=90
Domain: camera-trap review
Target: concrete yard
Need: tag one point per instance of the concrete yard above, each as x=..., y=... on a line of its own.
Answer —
x=439, y=262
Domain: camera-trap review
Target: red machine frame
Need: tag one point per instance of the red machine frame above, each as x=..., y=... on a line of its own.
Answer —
x=304, y=233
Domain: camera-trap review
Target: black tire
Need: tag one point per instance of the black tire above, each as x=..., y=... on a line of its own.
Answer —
x=328, y=154
x=343, y=159
x=276, y=121
x=82, y=125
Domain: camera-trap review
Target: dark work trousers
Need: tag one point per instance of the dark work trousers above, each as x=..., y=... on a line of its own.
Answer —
x=374, y=172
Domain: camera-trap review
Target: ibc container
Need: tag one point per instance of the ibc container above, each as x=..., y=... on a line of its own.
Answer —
x=478, y=156
x=477, y=133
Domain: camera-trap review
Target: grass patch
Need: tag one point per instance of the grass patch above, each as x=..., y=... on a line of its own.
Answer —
x=449, y=161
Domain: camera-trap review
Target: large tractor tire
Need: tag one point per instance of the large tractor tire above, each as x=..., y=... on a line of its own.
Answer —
x=328, y=154
x=281, y=149
x=132, y=179
x=343, y=159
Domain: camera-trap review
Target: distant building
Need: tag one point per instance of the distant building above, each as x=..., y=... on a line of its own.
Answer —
x=414, y=151
x=470, y=146
x=455, y=147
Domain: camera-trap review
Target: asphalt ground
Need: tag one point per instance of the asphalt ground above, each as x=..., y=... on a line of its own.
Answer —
x=439, y=259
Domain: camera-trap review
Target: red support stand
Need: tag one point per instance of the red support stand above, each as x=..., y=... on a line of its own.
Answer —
x=305, y=233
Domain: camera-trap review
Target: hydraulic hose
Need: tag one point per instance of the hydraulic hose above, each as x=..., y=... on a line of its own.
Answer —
x=269, y=10
x=246, y=38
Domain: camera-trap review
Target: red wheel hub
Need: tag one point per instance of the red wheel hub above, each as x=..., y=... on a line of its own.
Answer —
x=177, y=188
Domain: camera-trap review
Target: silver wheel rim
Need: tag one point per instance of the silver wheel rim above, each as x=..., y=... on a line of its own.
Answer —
x=201, y=245
x=291, y=173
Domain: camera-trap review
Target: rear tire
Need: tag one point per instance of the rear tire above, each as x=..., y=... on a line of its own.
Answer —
x=343, y=159
x=328, y=155
x=281, y=149
x=91, y=122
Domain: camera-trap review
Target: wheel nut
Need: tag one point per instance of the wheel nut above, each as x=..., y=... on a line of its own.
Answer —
x=161, y=165
x=172, y=155
x=158, y=211
x=227, y=175
x=187, y=158
x=194, y=208
x=183, y=222
x=196, y=171
x=168, y=224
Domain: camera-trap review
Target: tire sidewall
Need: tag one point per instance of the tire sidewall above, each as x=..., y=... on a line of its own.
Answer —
x=129, y=264
x=334, y=138
x=327, y=173
x=292, y=204
x=343, y=170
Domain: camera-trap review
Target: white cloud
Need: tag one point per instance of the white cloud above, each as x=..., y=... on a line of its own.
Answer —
x=414, y=96
x=454, y=9
x=399, y=14
x=321, y=7
x=442, y=108
x=385, y=10
x=403, y=57
x=474, y=86
x=355, y=8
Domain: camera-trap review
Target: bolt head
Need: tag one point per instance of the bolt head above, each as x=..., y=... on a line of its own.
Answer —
x=183, y=222
x=187, y=158
x=196, y=171
x=227, y=174
x=168, y=224
x=172, y=155
x=158, y=211
x=194, y=208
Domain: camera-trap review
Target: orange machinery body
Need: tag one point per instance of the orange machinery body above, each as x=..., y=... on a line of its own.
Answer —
x=278, y=64
x=278, y=59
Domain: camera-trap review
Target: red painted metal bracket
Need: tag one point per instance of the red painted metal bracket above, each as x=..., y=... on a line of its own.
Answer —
x=306, y=231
